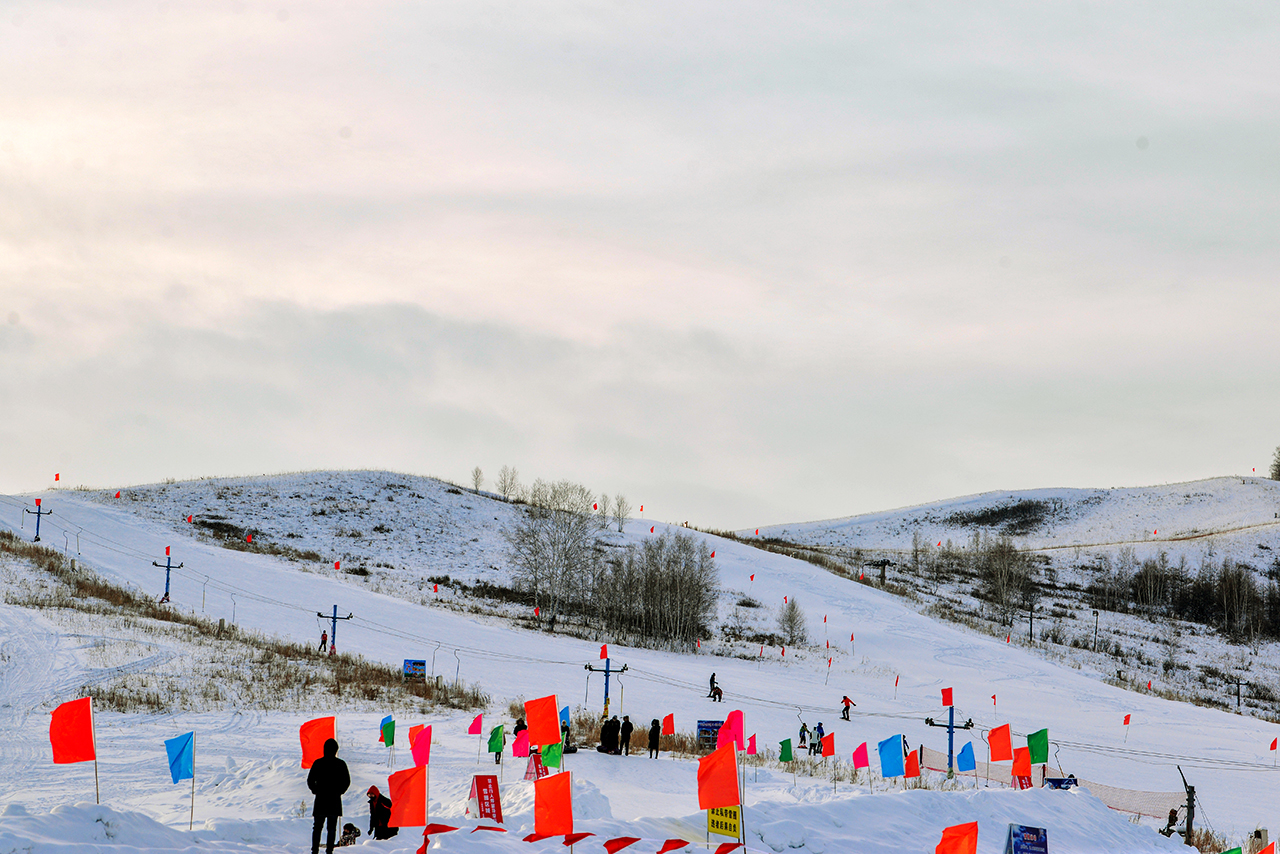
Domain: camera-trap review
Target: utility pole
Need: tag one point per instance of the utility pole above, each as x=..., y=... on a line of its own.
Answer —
x=1095, y=629
x=1237, y=683
x=167, y=567
x=333, y=630
x=1191, y=805
x=37, y=513
x=951, y=737
x=608, y=668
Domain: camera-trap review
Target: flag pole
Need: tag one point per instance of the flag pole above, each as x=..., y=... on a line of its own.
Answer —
x=93, y=733
x=192, y=820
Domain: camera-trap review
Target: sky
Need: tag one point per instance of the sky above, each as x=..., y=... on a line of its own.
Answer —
x=745, y=263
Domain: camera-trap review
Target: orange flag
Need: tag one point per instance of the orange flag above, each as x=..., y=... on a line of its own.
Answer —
x=829, y=744
x=543, y=720
x=1022, y=762
x=913, y=765
x=553, y=805
x=718, y=779
x=1001, y=747
x=408, y=793
x=959, y=839
x=1270, y=849
x=313, y=735
x=71, y=732
x=669, y=725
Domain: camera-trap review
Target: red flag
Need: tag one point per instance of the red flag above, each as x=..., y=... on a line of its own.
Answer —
x=757, y=532
x=595, y=506
x=784, y=600
x=1022, y=762
x=188, y=519
x=613, y=846
x=432, y=829
x=553, y=805
x=166, y=551
x=751, y=745
x=895, y=680
x=71, y=732
x=543, y=720
x=913, y=765
x=248, y=538
x=850, y=637
x=727, y=847
x=651, y=527
x=860, y=757
x=604, y=651
x=117, y=493
x=784, y=652
x=939, y=543
x=946, y=697
x=1001, y=747
x=753, y=576
x=829, y=744
x=413, y=732
x=37, y=502
x=993, y=699
x=1126, y=720
x=408, y=793
x=475, y=725
x=1273, y=743
x=699, y=643
x=1270, y=849
x=959, y=839
x=537, y=611
x=574, y=838
x=1148, y=684
x=57, y=476
x=824, y=618
x=672, y=845
x=337, y=564
x=420, y=747
x=717, y=779
x=669, y=725
x=313, y=735
x=1008, y=637
x=435, y=588
x=762, y=650
x=713, y=554
x=641, y=508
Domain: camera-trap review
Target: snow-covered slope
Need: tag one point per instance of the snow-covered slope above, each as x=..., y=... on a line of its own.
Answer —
x=902, y=660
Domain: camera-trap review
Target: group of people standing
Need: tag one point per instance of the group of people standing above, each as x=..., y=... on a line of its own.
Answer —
x=615, y=736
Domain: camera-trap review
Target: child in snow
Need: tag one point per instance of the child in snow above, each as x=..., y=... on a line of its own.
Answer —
x=380, y=815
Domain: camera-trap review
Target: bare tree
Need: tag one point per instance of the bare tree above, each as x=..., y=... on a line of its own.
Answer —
x=477, y=478
x=621, y=511
x=602, y=507
x=508, y=482
x=1275, y=465
x=792, y=624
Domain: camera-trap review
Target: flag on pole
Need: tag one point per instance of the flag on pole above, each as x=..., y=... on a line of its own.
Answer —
x=553, y=805
x=784, y=751
x=713, y=554
x=387, y=731
x=420, y=747
x=181, y=751
x=495, y=739
x=544, y=723
x=71, y=732
x=860, y=759
x=964, y=759
x=551, y=754
x=313, y=735
x=1022, y=762
x=475, y=726
x=604, y=651
x=753, y=576
x=829, y=744
x=959, y=839
x=613, y=846
x=520, y=747
x=946, y=697
x=732, y=730
x=408, y=793
x=1038, y=744
x=718, y=779
x=1274, y=742
x=669, y=725
x=1001, y=746
x=672, y=845
x=564, y=716
x=912, y=763
x=751, y=745
x=891, y=759
x=1126, y=719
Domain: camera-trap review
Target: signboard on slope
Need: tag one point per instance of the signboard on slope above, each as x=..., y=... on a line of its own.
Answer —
x=1027, y=840
x=484, y=801
x=707, y=732
x=415, y=670
x=724, y=821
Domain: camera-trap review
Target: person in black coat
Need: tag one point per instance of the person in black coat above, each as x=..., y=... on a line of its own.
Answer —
x=380, y=815
x=655, y=732
x=328, y=780
x=627, y=729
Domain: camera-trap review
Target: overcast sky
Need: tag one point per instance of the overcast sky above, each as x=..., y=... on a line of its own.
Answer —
x=743, y=262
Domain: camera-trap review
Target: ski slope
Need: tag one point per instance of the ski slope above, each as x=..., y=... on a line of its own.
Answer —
x=257, y=799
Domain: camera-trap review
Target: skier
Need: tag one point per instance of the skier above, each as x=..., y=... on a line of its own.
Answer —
x=711, y=692
x=804, y=734
x=327, y=780
x=815, y=743
x=380, y=815
x=627, y=729
x=324, y=640
x=847, y=703
x=655, y=732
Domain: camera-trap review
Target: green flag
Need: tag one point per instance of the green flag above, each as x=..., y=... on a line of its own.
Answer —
x=784, y=755
x=1232, y=851
x=495, y=739
x=1038, y=742
x=389, y=733
x=551, y=754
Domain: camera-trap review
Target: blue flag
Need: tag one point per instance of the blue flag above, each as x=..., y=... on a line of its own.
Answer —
x=965, y=761
x=182, y=756
x=892, y=763
x=564, y=716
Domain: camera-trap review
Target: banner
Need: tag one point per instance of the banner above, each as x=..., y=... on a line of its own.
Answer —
x=723, y=821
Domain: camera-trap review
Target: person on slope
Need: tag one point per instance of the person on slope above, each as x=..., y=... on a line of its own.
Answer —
x=627, y=729
x=655, y=732
x=815, y=743
x=328, y=780
x=711, y=691
x=847, y=703
x=804, y=734
x=324, y=640
x=380, y=815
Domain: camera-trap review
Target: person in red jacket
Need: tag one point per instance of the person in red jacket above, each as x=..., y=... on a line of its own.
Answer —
x=380, y=815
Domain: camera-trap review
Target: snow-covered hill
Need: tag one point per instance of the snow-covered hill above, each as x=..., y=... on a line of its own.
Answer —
x=894, y=671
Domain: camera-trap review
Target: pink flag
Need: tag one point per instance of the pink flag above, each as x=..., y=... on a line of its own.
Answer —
x=731, y=731
x=475, y=726
x=520, y=747
x=420, y=747
x=751, y=745
x=860, y=757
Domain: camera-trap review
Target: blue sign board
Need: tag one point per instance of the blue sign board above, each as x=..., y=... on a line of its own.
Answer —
x=707, y=732
x=1027, y=840
x=415, y=669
